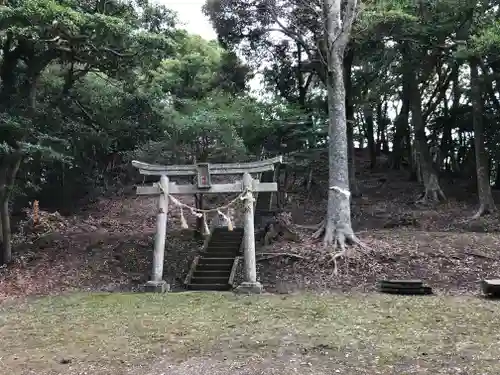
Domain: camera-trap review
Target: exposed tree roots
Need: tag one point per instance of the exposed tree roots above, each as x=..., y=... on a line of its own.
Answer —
x=432, y=195
x=340, y=238
x=267, y=256
x=484, y=209
x=312, y=227
x=433, y=192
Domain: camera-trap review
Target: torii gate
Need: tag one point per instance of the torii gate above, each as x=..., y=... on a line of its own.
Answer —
x=204, y=185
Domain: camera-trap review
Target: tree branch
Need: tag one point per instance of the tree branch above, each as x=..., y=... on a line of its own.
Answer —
x=289, y=32
x=491, y=92
x=93, y=124
x=441, y=89
x=350, y=15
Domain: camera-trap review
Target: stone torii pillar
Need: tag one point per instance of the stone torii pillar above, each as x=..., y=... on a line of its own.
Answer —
x=250, y=285
x=157, y=284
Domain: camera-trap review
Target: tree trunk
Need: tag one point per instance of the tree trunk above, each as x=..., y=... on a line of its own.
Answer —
x=8, y=172
x=401, y=133
x=384, y=124
x=497, y=177
x=380, y=129
x=6, y=254
x=353, y=183
x=432, y=189
x=338, y=221
x=370, y=134
x=486, y=203
x=337, y=228
x=448, y=143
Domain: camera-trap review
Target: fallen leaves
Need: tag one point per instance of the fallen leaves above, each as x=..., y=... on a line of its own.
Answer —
x=108, y=246
x=109, y=249
x=439, y=244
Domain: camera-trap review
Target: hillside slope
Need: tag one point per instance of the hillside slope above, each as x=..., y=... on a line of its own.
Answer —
x=109, y=246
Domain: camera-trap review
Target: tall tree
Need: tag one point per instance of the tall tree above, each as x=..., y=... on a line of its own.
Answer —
x=110, y=38
x=338, y=19
x=477, y=87
x=486, y=203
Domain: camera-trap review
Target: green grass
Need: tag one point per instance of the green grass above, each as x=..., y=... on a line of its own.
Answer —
x=368, y=331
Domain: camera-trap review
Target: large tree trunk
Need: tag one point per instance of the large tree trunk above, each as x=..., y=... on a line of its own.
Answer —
x=338, y=222
x=432, y=189
x=486, y=203
x=337, y=228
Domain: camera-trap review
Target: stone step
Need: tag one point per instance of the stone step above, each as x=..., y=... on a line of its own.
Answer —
x=233, y=249
x=224, y=244
x=208, y=287
x=220, y=254
x=214, y=267
x=222, y=273
x=226, y=235
x=216, y=249
x=225, y=230
x=212, y=260
x=226, y=239
x=210, y=280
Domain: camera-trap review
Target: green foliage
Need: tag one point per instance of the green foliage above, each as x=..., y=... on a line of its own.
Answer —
x=206, y=129
x=389, y=39
x=85, y=87
x=195, y=70
x=487, y=39
x=65, y=100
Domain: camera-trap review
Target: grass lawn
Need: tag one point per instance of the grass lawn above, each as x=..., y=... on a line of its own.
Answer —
x=367, y=334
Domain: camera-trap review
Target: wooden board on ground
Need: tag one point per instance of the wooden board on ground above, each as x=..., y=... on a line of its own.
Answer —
x=414, y=292
x=404, y=287
x=491, y=287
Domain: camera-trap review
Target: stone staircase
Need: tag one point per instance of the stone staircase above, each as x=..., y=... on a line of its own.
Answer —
x=214, y=268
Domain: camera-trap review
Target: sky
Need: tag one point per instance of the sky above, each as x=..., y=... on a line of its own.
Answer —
x=192, y=19
x=191, y=16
